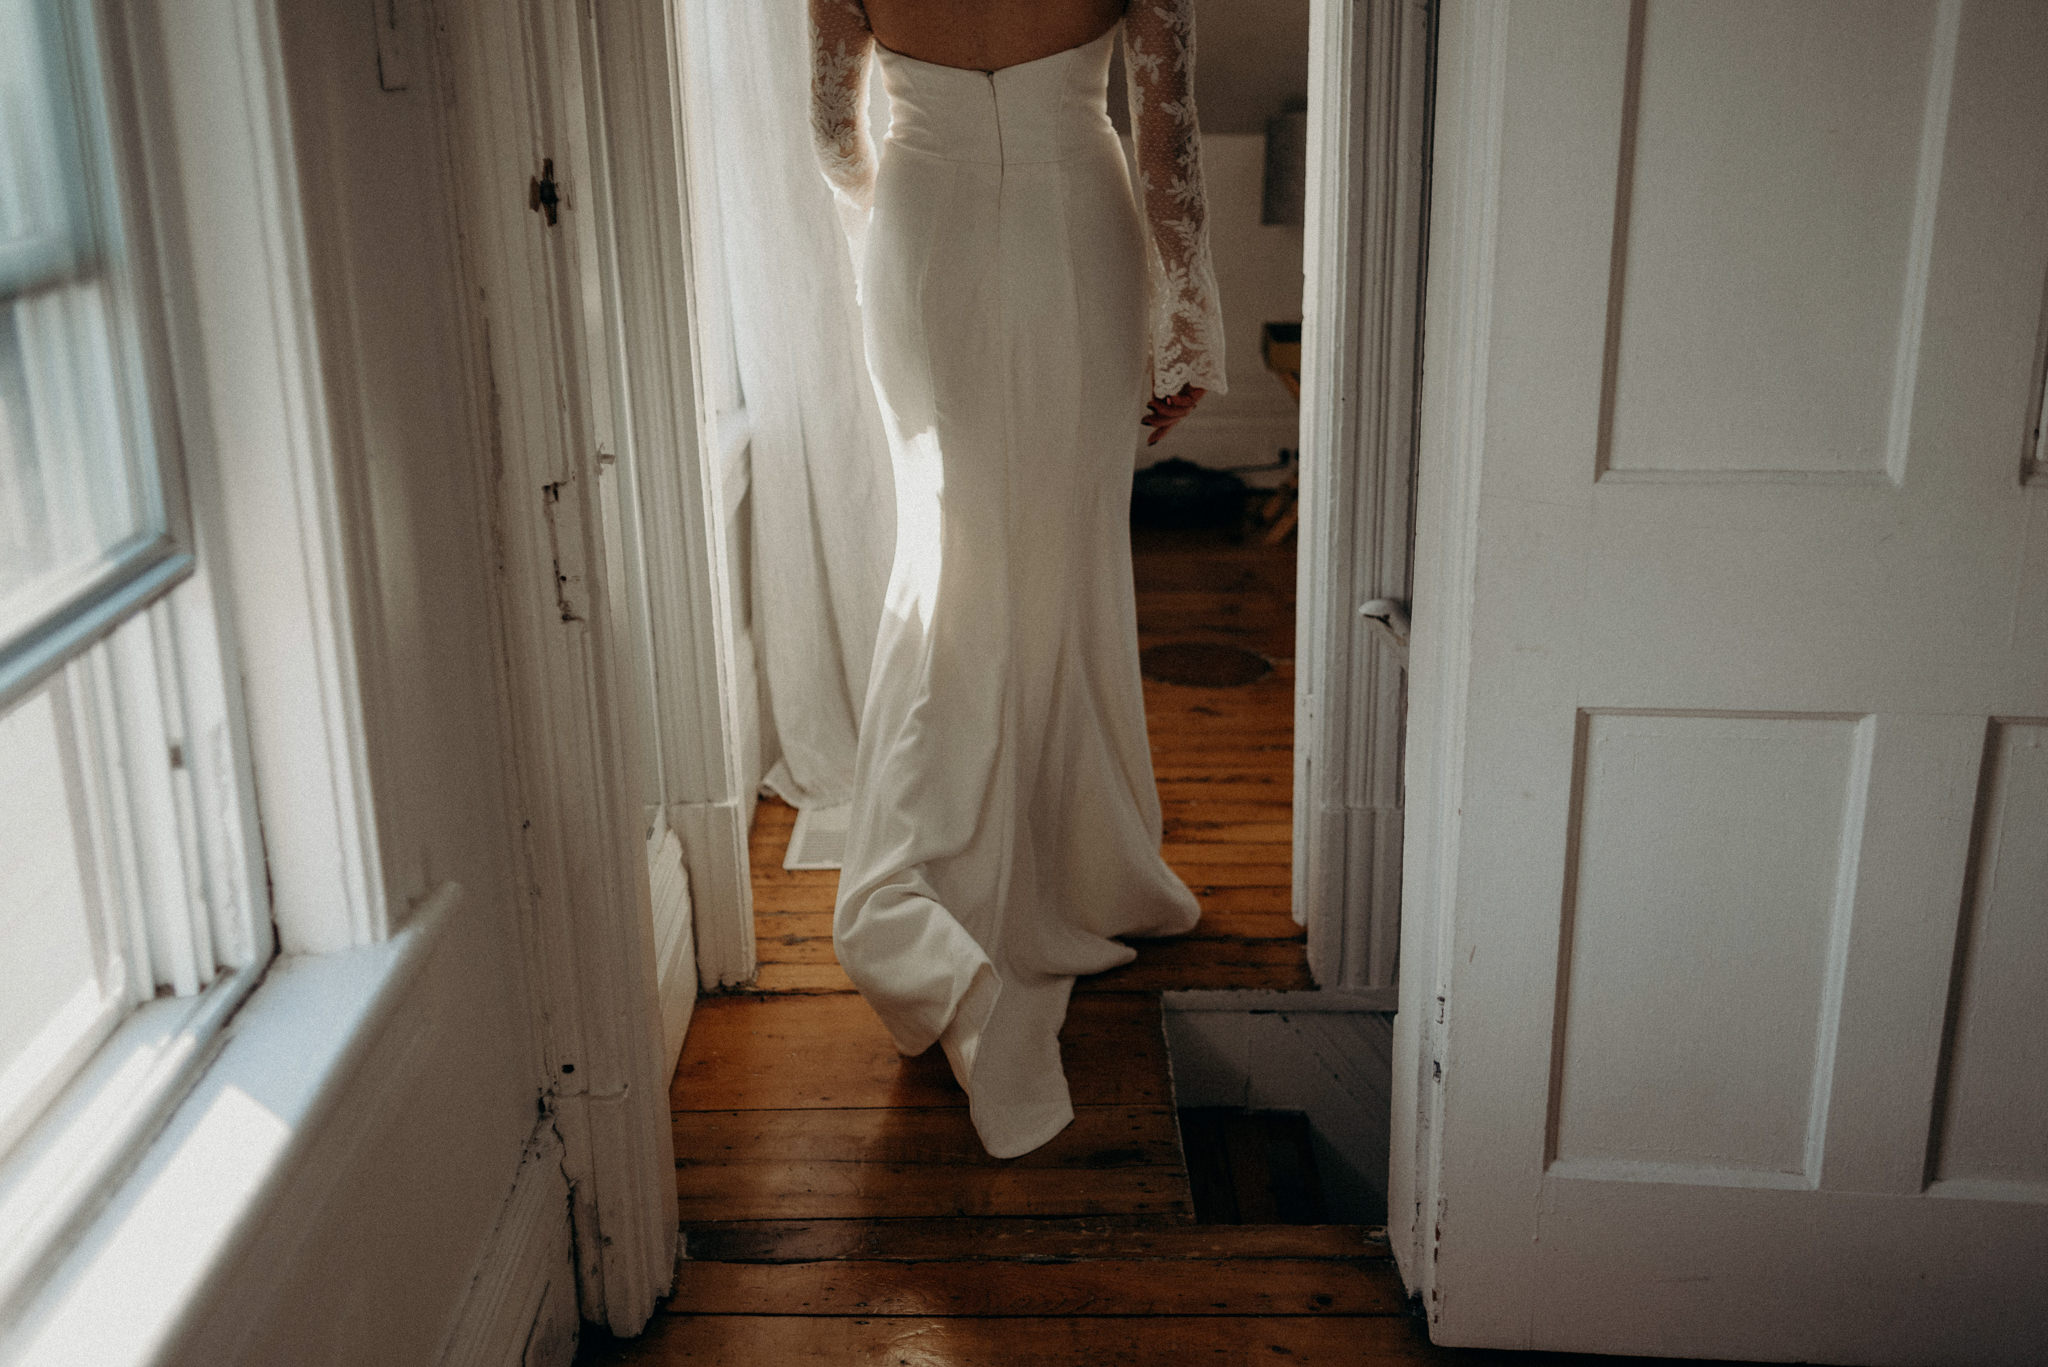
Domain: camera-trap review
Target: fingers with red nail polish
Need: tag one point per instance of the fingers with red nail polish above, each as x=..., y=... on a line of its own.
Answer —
x=1163, y=411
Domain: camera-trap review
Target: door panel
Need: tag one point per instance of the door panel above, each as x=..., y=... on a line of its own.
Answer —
x=1992, y=1139
x=1737, y=870
x=1768, y=240
x=1707, y=857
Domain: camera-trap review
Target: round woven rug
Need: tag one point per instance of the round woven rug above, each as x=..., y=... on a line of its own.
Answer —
x=1201, y=665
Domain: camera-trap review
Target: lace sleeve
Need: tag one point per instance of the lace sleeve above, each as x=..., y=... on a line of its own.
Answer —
x=1187, y=318
x=840, y=44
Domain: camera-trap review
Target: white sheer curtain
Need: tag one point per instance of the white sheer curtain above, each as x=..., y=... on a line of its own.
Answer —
x=823, y=513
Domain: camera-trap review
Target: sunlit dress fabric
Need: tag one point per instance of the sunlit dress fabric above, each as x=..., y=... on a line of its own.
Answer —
x=1018, y=307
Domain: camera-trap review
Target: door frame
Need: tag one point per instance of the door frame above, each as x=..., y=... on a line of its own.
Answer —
x=586, y=921
x=1369, y=101
x=1470, y=98
x=1370, y=64
x=643, y=333
x=596, y=90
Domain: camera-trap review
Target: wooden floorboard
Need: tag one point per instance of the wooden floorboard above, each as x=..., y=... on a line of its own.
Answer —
x=784, y=1241
x=1092, y=1287
x=896, y=1162
x=800, y=1108
x=772, y=1189
x=1012, y=1341
x=748, y=1052
x=939, y=1135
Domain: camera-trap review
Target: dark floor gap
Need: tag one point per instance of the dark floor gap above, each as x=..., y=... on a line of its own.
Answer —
x=1252, y=1167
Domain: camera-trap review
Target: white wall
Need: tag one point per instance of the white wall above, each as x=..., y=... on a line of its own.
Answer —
x=1251, y=58
x=364, y=1251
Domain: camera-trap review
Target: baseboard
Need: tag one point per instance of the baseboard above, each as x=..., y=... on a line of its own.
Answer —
x=675, y=942
x=521, y=1307
x=1313, y=1052
x=714, y=836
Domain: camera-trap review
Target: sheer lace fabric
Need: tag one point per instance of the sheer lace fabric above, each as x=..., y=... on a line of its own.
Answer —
x=840, y=45
x=1159, y=61
x=1187, y=318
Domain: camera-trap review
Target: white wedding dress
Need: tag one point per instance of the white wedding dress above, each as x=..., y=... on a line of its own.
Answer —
x=1019, y=306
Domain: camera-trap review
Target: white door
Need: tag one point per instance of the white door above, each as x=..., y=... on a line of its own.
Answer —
x=1726, y=972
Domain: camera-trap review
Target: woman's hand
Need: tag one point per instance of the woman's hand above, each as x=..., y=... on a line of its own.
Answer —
x=1162, y=413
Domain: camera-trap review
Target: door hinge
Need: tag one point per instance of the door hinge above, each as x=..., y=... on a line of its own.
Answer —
x=543, y=196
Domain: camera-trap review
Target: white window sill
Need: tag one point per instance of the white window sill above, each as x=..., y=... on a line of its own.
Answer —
x=117, y=1292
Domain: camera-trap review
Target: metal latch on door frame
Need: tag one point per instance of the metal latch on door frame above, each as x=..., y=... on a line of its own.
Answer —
x=1389, y=617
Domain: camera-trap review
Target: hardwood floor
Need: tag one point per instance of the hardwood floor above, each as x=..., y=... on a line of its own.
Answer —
x=798, y=1107
x=835, y=1204
x=837, y=1208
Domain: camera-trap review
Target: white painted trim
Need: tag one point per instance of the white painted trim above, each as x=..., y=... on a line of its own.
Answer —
x=641, y=201
x=286, y=502
x=1368, y=83
x=264, y=1112
x=675, y=941
x=124, y=155
x=54, y=1181
x=267, y=1110
x=519, y=101
x=521, y=1307
x=1470, y=94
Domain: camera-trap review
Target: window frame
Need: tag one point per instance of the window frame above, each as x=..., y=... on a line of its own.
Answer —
x=126, y=646
x=197, y=138
x=107, y=239
x=169, y=900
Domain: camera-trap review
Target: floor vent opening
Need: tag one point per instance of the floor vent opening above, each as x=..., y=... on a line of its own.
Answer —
x=818, y=841
x=1252, y=1167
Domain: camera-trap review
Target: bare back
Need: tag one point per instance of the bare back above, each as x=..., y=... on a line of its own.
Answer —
x=987, y=35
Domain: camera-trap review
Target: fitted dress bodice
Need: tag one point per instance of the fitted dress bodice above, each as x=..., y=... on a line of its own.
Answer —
x=1036, y=111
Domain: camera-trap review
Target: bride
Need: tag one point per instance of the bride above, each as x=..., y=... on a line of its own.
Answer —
x=1024, y=296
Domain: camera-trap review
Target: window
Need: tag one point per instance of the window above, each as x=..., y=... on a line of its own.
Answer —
x=125, y=870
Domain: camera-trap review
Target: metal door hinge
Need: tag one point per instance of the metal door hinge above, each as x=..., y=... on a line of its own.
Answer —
x=542, y=194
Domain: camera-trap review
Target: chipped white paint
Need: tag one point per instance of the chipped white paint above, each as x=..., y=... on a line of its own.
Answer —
x=589, y=939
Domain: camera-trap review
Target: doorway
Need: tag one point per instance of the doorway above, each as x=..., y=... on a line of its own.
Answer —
x=1214, y=512
x=1329, y=198
x=1282, y=521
